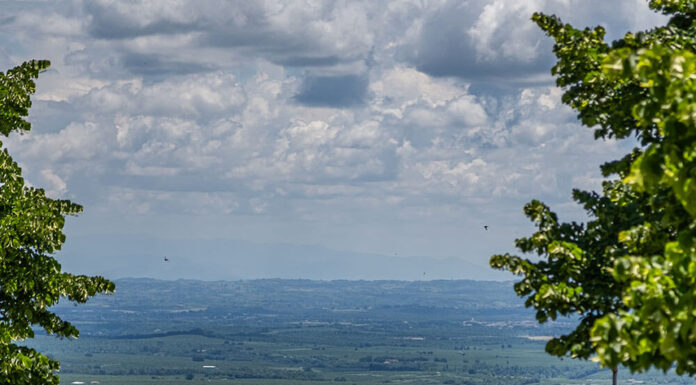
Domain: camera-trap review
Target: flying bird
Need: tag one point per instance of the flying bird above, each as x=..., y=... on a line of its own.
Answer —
x=485, y=227
x=166, y=259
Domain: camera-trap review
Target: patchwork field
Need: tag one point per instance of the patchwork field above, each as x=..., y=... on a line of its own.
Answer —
x=306, y=332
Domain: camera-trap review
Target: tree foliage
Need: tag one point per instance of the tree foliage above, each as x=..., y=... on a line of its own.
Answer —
x=630, y=272
x=30, y=230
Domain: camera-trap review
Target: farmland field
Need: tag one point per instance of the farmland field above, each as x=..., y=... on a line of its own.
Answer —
x=308, y=332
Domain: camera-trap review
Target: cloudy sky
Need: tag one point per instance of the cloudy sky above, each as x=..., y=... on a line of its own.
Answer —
x=301, y=138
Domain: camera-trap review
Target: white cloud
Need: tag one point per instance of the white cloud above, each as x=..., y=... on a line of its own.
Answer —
x=404, y=86
x=196, y=109
x=58, y=186
x=308, y=135
x=468, y=111
x=503, y=30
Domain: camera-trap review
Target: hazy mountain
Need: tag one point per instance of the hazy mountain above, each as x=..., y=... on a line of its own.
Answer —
x=234, y=259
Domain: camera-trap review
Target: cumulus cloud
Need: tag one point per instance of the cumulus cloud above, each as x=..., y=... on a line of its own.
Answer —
x=351, y=115
x=293, y=33
x=419, y=140
x=494, y=40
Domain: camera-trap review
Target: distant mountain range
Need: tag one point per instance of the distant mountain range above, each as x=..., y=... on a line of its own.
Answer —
x=234, y=259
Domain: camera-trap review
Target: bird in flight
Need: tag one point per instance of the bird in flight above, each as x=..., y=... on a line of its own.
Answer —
x=485, y=227
x=166, y=259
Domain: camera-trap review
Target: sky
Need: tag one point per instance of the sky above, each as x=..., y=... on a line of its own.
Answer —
x=313, y=139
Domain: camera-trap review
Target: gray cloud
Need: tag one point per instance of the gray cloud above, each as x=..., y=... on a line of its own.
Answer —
x=113, y=20
x=159, y=65
x=494, y=41
x=306, y=61
x=293, y=34
x=455, y=41
x=333, y=91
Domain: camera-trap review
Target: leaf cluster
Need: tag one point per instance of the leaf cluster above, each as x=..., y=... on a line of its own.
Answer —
x=630, y=272
x=572, y=273
x=30, y=229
